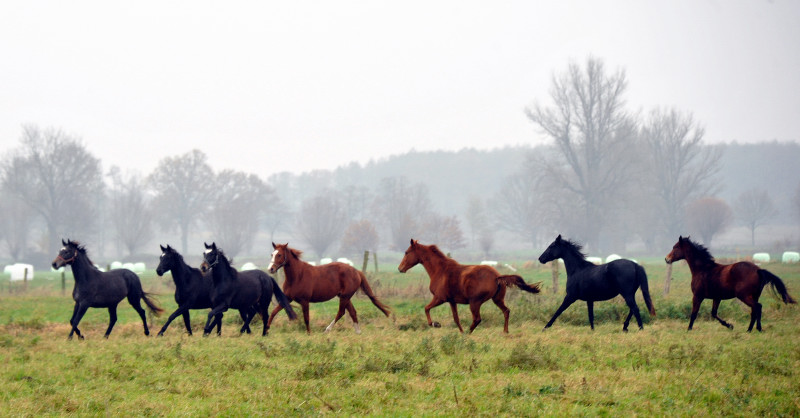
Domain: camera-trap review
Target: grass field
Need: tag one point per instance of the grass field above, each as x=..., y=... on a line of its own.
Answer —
x=400, y=366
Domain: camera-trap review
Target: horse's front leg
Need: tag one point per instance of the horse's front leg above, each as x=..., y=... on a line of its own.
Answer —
x=454, y=308
x=77, y=315
x=434, y=303
x=212, y=316
x=696, y=302
x=714, y=307
x=180, y=311
x=568, y=300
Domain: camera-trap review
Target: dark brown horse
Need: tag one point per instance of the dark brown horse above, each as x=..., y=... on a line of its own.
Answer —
x=309, y=284
x=461, y=284
x=710, y=280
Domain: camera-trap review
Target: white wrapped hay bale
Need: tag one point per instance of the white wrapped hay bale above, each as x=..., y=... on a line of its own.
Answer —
x=326, y=260
x=345, y=260
x=613, y=257
x=20, y=271
x=139, y=268
x=595, y=260
x=115, y=265
x=248, y=266
x=761, y=258
x=790, y=257
x=489, y=263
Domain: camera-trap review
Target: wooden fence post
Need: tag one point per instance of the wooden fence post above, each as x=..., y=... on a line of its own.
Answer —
x=366, y=261
x=668, y=279
x=25, y=280
x=555, y=276
x=375, y=258
x=63, y=282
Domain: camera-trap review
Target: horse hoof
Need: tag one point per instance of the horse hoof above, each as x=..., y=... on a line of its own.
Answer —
x=624, y=329
x=160, y=334
x=436, y=325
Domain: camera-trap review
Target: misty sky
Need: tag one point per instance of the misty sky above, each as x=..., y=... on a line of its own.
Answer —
x=293, y=86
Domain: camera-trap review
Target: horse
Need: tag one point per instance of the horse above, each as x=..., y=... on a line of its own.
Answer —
x=711, y=280
x=192, y=290
x=97, y=289
x=306, y=284
x=251, y=289
x=461, y=284
x=591, y=283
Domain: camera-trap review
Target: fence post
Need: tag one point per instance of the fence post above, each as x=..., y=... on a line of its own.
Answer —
x=667, y=279
x=375, y=258
x=25, y=280
x=555, y=276
x=366, y=261
x=63, y=282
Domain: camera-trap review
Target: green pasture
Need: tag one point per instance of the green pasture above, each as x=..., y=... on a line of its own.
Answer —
x=399, y=366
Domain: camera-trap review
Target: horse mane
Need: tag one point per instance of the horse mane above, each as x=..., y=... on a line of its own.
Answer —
x=701, y=252
x=436, y=251
x=574, y=247
x=82, y=250
x=295, y=252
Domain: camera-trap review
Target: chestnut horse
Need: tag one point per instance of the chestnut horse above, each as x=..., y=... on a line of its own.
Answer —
x=310, y=284
x=710, y=280
x=461, y=284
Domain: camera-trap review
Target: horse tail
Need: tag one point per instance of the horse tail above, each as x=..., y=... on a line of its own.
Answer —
x=148, y=300
x=282, y=299
x=514, y=280
x=641, y=275
x=765, y=277
x=368, y=291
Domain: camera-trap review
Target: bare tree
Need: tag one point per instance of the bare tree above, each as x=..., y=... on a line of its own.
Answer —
x=753, y=208
x=707, y=217
x=681, y=169
x=518, y=207
x=321, y=221
x=15, y=225
x=235, y=205
x=476, y=217
x=796, y=203
x=360, y=236
x=594, y=135
x=445, y=231
x=182, y=186
x=402, y=206
x=57, y=177
x=129, y=210
x=277, y=216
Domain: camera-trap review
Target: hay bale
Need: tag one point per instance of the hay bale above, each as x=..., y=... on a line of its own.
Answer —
x=595, y=260
x=613, y=257
x=761, y=258
x=345, y=260
x=489, y=263
x=248, y=266
x=17, y=272
x=790, y=257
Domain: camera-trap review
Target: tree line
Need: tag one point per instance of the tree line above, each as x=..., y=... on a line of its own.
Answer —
x=607, y=176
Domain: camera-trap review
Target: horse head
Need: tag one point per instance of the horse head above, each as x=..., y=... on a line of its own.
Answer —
x=211, y=257
x=68, y=253
x=678, y=251
x=279, y=257
x=168, y=260
x=410, y=258
x=553, y=251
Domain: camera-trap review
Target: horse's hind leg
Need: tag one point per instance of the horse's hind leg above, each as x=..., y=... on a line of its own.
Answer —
x=502, y=305
x=475, y=308
x=352, y=311
x=112, y=319
x=454, y=308
x=630, y=300
x=137, y=305
x=342, y=307
x=590, y=309
x=627, y=320
x=755, y=312
x=696, y=302
x=715, y=306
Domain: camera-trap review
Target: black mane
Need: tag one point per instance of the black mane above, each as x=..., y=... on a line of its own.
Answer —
x=701, y=252
x=573, y=247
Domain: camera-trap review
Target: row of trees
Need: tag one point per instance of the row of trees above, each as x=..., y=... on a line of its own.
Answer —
x=611, y=172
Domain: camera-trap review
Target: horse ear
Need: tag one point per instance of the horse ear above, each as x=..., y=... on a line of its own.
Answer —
x=274, y=247
x=162, y=248
x=63, y=243
x=207, y=247
x=558, y=238
x=412, y=242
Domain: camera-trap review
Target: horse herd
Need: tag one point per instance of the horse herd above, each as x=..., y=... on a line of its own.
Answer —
x=219, y=287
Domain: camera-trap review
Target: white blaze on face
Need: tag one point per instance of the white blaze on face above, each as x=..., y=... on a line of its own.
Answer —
x=272, y=261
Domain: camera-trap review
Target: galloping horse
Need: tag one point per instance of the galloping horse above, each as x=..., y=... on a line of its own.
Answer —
x=461, y=284
x=589, y=282
x=97, y=289
x=710, y=280
x=251, y=289
x=309, y=284
x=192, y=290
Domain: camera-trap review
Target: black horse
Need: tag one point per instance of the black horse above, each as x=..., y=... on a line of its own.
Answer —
x=192, y=290
x=97, y=289
x=241, y=290
x=589, y=282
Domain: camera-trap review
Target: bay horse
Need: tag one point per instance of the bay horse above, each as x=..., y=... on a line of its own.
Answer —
x=591, y=283
x=251, y=289
x=307, y=284
x=711, y=280
x=192, y=290
x=97, y=289
x=461, y=284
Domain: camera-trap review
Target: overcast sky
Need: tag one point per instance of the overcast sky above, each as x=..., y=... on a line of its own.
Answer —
x=295, y=85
